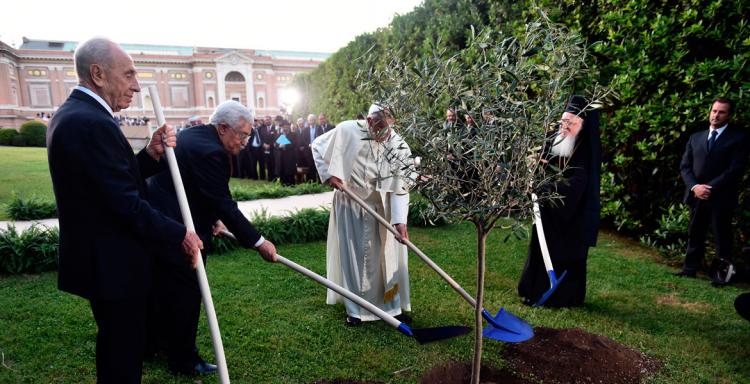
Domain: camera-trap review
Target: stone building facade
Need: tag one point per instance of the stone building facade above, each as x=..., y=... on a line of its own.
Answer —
x=36, y=78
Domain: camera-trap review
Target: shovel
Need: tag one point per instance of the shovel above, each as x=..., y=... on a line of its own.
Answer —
x=423, y=335
x=554, y=282
x=187, y=218
x=504, y=326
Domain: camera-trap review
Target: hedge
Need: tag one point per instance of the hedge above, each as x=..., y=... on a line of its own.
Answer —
x=7, y=135
x=34, y=133
x=666, y=60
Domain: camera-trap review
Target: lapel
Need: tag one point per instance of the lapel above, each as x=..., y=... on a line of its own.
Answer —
x=723, y=140
x=79, y=95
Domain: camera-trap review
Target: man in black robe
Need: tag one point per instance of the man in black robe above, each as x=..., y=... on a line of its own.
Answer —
x=571, y=222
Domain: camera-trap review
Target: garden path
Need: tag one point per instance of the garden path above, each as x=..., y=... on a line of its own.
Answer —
x=274, y=207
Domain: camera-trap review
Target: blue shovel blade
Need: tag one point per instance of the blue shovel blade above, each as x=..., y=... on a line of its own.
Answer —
x=554, y=282
x=506, y=327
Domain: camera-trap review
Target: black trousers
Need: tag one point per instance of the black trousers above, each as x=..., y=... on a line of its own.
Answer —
x=703, y=213
x=257, y=163
x=270, y=166
x=120, y=339
x=175, y=315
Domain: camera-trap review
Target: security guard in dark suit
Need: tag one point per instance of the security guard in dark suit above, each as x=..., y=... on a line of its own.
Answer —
x=712, y=168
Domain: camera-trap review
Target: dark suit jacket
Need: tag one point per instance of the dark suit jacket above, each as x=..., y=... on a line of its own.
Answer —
x=327, y=127
x=306, y=157
x=269, y=135
x=107, y=229
x=205, y=170
x=722, y=168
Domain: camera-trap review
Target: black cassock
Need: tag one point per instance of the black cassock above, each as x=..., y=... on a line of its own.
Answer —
x=570, y=225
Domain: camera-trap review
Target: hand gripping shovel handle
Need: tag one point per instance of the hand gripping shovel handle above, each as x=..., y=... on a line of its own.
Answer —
x=187, y=218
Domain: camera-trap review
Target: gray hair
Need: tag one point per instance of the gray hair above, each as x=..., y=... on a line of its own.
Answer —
x=97, y=50
x=231, y=113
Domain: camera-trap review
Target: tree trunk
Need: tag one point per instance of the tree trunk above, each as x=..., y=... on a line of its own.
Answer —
x=478, y=325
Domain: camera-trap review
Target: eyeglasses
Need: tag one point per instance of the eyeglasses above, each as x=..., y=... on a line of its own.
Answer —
x=243, y=136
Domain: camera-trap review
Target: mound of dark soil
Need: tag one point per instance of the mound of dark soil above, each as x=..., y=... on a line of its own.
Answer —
x=552, y=356
x=576, y=356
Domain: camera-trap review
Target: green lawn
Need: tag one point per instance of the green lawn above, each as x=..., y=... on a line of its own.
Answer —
x=277, y=329
x=24, y=171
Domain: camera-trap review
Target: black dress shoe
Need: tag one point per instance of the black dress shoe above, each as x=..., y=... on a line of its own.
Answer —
x=353, y=321
x=404, y=318
x=685, y=274
x=200, y=368
x=204, y=368
x=742, y=304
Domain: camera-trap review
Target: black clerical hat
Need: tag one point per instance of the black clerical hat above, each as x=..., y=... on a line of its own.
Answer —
x=577, y=105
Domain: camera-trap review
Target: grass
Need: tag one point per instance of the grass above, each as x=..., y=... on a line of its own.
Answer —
x=276, y=327
x=23, y=170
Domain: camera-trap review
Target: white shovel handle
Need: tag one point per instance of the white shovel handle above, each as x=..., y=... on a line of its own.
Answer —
x=340, y=290
x=187, y=218
x=540, y=234
x=411, y=246
x=333, y=286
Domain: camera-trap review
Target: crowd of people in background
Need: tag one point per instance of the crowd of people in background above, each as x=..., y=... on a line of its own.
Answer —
x=131, y=121
x=279, y=149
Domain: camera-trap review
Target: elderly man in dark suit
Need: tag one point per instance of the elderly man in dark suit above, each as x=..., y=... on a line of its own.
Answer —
x=712, y=168
x=203, y=155
x=107, y=229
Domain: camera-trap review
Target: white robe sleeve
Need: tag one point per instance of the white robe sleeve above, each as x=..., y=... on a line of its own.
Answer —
x=399, y=208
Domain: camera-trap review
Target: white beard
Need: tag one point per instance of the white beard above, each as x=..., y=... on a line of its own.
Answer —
x=563, y=146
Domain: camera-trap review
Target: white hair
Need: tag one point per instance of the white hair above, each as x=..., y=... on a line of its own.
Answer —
x=97, y=50
x=231, y=113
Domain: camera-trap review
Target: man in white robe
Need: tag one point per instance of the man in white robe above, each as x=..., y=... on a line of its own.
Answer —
x=362, y=255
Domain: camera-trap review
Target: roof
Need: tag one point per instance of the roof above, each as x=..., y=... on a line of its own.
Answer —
x=69, y=46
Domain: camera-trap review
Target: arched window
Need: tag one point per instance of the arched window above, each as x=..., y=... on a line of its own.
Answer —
x=261, y=102
x=234, y=76
x=210, y=102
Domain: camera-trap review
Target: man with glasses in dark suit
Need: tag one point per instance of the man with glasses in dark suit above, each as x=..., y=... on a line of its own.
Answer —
x=203, y=154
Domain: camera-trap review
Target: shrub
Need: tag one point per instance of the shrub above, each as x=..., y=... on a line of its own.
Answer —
x=302, y=226
x=422, y=213
x=35, y=133
x=18, y=141
x=7, y=135
x=276, y=190
x=33, y=250
x=30, y=209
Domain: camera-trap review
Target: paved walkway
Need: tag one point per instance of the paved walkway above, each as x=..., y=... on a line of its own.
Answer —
x=273, y=207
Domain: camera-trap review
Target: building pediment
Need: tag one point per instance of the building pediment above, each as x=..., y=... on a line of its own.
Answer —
x=234, y=58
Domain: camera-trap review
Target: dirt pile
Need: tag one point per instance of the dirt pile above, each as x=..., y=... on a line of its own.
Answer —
x=576, y=356
x=553, y=356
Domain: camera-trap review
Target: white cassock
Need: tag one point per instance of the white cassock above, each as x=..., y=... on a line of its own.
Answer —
x=362, y=256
